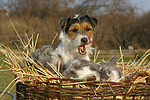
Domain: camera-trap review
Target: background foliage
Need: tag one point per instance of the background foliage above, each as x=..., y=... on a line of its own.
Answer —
x=118, y=25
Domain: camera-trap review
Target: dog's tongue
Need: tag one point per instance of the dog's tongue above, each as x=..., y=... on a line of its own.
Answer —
x=90, y=41
x=82, y=50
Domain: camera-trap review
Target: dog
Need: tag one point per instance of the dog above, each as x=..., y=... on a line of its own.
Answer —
x=76, y=39
x=81, y=69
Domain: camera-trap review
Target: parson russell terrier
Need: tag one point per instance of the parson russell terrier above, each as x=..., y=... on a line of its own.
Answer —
x=76, y=39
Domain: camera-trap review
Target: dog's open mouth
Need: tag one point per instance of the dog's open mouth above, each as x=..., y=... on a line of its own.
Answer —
x=82, y=49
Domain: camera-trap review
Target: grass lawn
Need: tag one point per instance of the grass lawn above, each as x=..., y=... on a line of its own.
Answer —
x=5, y=78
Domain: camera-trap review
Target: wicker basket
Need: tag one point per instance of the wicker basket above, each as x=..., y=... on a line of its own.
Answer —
x=64, y=89
x=47, y=86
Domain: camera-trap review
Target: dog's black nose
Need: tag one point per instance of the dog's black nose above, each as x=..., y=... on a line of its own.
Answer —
x=84, y=40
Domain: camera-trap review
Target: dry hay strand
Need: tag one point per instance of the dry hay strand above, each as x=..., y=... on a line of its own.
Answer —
x=37, y=80
x=142, y=65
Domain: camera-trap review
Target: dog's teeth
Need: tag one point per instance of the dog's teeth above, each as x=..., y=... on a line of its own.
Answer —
x=82, y=50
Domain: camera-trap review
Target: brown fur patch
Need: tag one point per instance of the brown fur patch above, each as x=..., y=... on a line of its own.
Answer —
x=83, y=28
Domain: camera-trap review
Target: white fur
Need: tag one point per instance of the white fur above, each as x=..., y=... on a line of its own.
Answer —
x=68, y=48
x=86, y=72
x=116, y=74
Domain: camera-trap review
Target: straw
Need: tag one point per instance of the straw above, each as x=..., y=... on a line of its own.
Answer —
x=33, y=73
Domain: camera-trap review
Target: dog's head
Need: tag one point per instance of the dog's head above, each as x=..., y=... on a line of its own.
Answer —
x=80, y=30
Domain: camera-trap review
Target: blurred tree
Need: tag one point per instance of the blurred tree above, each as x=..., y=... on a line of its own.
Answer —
x=118, y=24
x=141, y=34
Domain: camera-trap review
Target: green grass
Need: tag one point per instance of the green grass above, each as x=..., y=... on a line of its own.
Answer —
x=5, y=78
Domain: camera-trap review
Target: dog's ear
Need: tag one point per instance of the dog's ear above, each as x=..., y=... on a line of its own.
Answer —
x=110, y=64
x=113, y=60
x=64, y=22
x=92, y=20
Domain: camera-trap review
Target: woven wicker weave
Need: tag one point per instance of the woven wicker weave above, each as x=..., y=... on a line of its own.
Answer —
x=79, y=90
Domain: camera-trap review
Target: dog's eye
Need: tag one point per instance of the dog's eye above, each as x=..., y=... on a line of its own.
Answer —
x=74, y=30
x=88, y=29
